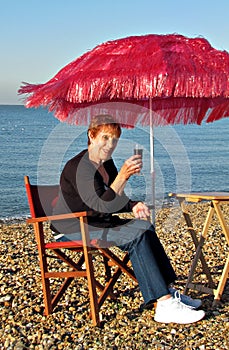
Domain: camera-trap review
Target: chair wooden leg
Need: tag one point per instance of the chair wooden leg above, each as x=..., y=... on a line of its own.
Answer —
x=107, y=268
x=69, y=261
x=47, y=296
x=110, y=284
x=122, y=264
x=90, y=272
x=43, y=267
x=61, y=291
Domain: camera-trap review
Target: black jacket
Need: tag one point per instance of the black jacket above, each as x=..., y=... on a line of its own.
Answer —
x=82, y=189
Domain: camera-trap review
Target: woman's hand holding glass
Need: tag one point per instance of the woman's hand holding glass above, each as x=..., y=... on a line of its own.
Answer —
x=131, y=166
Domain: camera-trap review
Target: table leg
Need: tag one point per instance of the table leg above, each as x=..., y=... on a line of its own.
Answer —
x=198, y=244
x=222, y=221
x=225, y=274
x=219, y=291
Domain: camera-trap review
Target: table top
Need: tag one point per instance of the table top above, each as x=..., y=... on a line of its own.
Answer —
x=199, y=196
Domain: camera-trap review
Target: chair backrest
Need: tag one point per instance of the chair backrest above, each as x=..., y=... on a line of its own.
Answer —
x=41, y=198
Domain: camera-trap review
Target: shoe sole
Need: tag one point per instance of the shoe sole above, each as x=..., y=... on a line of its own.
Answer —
x=178, y=322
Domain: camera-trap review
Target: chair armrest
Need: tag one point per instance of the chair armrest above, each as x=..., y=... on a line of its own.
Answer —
x=59, y=217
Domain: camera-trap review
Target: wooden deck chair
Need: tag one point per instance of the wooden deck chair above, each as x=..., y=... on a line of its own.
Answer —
x=40, y=199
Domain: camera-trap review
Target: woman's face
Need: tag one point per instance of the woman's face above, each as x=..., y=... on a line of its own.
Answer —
x=103, y=145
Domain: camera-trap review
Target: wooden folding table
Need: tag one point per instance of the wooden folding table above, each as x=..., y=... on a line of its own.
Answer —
x=216, y=200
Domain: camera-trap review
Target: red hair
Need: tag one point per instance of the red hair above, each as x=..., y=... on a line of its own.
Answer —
x=103, y=122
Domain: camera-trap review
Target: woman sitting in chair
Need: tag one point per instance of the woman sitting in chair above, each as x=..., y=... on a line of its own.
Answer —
x=90, y=181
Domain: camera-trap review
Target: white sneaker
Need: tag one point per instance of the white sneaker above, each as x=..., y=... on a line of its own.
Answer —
x=172, y=310
x=185, y=299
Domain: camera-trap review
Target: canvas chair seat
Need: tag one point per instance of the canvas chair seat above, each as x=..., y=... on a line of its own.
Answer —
x=70, y=244
x=41, y=199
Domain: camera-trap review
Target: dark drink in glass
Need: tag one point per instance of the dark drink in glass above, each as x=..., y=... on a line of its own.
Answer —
x=138, y=150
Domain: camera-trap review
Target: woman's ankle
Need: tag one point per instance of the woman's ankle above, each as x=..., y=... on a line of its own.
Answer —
x=165, y=297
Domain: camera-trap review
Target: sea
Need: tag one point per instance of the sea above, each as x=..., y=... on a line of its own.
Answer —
x=183, y=157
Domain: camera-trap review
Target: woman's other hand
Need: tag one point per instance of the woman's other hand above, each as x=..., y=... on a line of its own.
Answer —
x=141, y=211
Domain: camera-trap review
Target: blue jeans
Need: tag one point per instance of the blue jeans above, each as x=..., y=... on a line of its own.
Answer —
x=150, y=263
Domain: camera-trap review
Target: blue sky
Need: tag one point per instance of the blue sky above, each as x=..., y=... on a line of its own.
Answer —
x=39, y=37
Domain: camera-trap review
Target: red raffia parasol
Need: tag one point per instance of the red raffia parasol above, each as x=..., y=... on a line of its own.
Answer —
x=183, y=77
x=178, y=79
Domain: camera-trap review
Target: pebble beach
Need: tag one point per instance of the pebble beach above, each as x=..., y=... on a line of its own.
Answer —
x=124, y=324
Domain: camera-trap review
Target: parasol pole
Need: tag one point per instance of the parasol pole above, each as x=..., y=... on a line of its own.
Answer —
x=152, y=173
